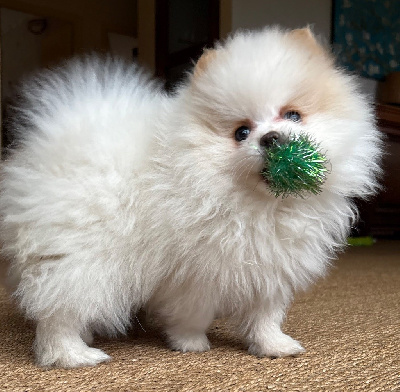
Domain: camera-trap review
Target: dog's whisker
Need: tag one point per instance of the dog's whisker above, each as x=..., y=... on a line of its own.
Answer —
x=238, y=171
x=250, y=169
x=246, y=169
x=140, y=324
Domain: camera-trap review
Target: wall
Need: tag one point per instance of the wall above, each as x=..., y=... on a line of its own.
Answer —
x=25, y=47
x=147, y=33
x=92, y=19
x=250, y=14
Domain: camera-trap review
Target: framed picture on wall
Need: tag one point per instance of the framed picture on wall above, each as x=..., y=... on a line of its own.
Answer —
x=366, y=36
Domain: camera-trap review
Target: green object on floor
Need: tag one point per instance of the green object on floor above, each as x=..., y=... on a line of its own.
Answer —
x=360, y=241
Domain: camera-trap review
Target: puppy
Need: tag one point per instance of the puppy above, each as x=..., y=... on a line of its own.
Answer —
x=119, y=197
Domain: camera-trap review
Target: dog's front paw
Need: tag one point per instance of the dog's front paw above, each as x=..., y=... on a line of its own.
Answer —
x=69, y=356
x=189, y=343
x=88, y=357
x=276, y=346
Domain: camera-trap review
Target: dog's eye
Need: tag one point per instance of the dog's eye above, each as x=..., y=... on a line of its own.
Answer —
x=292, y=116
x=242, y=133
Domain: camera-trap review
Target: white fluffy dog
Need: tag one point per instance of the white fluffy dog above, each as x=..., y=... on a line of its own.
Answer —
x=119, y=197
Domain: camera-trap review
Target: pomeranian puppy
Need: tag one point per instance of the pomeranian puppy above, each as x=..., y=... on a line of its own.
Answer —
x=120, y=197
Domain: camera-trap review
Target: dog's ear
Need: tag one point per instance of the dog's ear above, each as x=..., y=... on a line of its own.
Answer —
x=306, y=38
x=204, y=61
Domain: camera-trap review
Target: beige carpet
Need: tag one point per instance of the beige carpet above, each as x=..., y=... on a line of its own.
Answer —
x=349, y=323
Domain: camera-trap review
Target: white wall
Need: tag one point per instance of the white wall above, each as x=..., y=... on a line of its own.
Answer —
x=250, y=14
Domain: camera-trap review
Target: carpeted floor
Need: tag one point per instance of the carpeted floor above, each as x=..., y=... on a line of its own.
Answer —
x=349, y=323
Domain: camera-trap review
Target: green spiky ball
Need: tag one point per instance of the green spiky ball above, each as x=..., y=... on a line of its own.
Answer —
x=296, y=167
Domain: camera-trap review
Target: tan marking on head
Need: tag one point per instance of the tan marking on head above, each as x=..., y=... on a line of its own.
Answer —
x=321, y=88
x=245, y=122
x=310, y=98
x=203, y=63
x=306, y=38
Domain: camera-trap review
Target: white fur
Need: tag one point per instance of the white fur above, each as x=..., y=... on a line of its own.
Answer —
x=119, y=197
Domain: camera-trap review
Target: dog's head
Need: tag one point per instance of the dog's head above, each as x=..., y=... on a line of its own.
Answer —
x=258, y=88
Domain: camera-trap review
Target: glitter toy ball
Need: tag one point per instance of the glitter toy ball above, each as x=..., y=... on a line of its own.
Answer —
x=295, y=167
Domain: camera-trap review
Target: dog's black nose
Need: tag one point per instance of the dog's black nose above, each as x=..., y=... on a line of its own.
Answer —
x=269, y=138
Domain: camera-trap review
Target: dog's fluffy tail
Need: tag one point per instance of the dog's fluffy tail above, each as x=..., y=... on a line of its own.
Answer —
x=87, y=89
